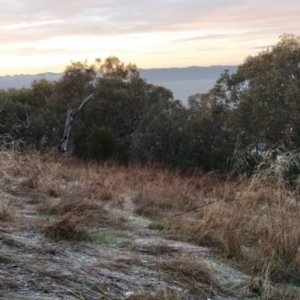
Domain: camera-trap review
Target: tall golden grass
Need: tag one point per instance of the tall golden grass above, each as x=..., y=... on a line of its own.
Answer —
x=251, y=222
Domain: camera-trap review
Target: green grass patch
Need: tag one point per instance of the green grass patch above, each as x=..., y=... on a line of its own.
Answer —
x=108, y=237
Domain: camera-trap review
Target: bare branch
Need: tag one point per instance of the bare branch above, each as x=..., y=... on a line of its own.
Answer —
x=84, y=101
x=26, y=124
x=193, y=209
x=71, y=114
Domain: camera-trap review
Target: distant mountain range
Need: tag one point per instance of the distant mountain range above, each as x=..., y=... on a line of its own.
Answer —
x=183, y=82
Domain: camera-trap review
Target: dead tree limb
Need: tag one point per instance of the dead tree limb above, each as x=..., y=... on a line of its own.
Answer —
x=193, y=209
x=71, y=114
x=26, y=124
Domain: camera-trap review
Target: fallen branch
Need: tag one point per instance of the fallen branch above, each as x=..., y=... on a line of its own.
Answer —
x=193, y=209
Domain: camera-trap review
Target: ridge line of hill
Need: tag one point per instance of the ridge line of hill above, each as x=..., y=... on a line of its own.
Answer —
x=183, y=82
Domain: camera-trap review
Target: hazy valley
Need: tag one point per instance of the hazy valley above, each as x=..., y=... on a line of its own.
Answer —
x=183, y=82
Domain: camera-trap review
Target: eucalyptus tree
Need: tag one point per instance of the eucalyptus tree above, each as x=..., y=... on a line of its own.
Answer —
x=22, y=112
x=265, y=94
x=121, y=99
x=160, y=135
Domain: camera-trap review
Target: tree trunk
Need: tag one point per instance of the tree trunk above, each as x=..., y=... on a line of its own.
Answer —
x=71, y=114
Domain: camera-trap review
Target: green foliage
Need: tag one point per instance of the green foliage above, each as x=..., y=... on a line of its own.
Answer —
x=22, y=112
x=265, y=92
x=285, y=170
x=121, y=100
x=77, y=82
x=101, y=144
x=207, y=143
x=159, y=137
x=146, y=124
x=244, y=162
x=218, y=160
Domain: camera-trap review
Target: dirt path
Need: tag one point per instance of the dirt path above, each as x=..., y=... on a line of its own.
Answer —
x=130, y=262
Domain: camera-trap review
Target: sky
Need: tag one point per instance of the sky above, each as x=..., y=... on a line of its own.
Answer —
x=46, y=35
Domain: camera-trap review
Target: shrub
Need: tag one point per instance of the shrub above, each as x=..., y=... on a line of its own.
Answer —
x=245, y=163
x=101, y=144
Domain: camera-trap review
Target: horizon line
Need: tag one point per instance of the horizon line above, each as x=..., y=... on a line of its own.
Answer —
x=164, y=68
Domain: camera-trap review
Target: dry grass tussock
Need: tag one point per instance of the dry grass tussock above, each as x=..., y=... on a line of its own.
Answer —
x=190, y=272
x=72, y=223
x=253, y=222
x=72, y=192
x=6, y=212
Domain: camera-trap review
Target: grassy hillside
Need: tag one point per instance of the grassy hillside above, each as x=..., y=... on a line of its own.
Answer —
x=99, y=231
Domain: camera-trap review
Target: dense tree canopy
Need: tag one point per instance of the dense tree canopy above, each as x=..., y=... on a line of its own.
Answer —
x=265, y=92
x=260, y=102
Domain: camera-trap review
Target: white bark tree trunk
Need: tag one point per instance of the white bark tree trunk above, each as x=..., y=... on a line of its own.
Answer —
x=71, y=114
